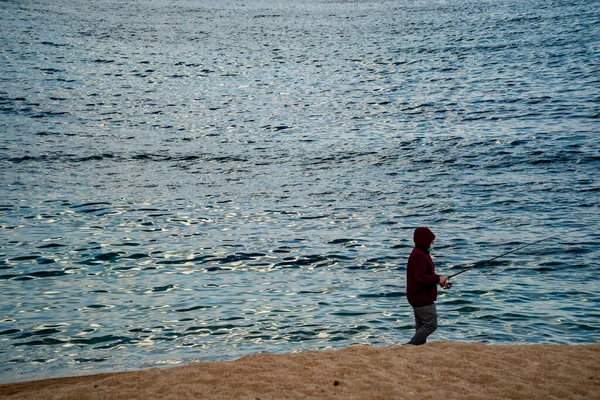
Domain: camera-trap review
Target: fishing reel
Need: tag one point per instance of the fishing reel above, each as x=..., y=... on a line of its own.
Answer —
x=447, y=285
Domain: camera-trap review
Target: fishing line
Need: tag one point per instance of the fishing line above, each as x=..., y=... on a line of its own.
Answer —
x=480, y=263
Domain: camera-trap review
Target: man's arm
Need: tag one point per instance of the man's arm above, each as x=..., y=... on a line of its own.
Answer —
x=419, y=268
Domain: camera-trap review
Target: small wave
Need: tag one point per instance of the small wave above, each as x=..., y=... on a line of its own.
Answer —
x=137, y=256
x=41, y=332
x=51, y=246
x=299, y=262
x=342, y=241
x=85, y=205
x=194, y=308
x=90, y=360
x=350, y=313
x=165, y=288
x=34, y=275
x=382, y=294
x=54, y=44
x=43, y=342
x=119, y=158
x=10, y=332
x=110, y=256
x=24, y=258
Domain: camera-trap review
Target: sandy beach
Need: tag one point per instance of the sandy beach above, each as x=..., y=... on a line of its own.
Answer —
x=433, y=371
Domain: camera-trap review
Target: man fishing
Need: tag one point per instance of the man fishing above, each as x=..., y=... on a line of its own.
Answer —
x=421, y=285
x=422, y=281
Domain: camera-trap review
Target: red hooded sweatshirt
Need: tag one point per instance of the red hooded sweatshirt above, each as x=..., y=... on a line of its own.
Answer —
x=421, y=279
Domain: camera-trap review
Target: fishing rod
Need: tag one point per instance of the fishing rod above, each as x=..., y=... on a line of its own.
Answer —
x=480, y=263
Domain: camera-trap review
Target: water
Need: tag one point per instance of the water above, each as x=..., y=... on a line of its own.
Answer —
x=188, y=181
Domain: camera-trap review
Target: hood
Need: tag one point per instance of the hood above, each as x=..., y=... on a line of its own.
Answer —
x=423, y=238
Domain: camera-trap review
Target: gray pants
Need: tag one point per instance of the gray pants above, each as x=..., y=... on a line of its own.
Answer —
x=426, y=320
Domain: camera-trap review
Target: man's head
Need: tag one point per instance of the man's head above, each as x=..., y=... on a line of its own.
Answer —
x=423, y=238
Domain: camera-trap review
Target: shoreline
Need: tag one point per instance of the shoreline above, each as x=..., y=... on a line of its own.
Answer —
x=435, y=370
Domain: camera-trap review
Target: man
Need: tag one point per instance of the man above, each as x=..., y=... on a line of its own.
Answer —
x=421, y=285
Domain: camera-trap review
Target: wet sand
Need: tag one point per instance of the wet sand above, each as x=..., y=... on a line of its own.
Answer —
x=434, y=371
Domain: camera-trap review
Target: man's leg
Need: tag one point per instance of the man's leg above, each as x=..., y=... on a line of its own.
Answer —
x=418, y=321
x=426, y=319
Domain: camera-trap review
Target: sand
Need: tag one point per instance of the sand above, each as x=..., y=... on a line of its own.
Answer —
x=434, y=371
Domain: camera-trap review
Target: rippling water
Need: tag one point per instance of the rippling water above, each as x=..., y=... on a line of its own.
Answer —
x=188, y=181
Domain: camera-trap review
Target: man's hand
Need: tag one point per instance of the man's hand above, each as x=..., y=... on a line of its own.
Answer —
x=445, y=282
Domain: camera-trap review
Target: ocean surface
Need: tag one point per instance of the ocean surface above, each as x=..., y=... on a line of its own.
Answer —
x=197, y=180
